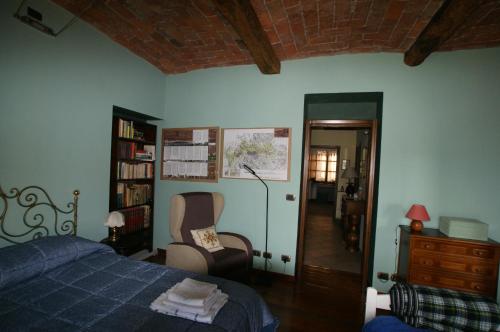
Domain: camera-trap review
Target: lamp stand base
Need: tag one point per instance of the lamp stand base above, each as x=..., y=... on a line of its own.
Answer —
x=114, y=234
x=416, y=226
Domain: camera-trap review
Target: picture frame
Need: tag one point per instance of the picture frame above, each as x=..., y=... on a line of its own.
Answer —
x=265, y=150
x=190, y=154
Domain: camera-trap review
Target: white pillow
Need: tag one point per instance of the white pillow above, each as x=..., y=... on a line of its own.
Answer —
x=207, y=238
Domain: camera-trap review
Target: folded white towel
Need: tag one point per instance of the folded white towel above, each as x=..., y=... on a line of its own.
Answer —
x=198, y=309
x=192, y=292
x=162, y=305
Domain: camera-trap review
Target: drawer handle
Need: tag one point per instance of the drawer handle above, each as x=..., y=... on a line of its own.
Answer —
x=427, y=262
x=480, y=270
x=480, y=252
x=477, y=287
x=428, y=246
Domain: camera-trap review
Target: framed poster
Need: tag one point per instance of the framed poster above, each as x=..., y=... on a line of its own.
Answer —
x=265, y=150
x=190, y=154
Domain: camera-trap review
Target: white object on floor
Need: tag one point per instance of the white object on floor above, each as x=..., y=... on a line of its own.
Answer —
x=160, y=305
x=192, y=292
x=374, y=301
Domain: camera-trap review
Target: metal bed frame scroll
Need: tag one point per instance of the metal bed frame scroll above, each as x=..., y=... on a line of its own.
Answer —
x=34, y=201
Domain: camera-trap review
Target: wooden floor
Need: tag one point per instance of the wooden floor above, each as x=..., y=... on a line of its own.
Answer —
x=309, y=308
x=323, y=242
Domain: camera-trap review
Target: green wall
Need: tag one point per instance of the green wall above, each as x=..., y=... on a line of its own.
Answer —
x=439, y=141
x=56, y=98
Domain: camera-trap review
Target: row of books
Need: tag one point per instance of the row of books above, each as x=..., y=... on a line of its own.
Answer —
x=126, y=171
x=126, y=130
x=136, y=219
x=133, y=194
x=129, y=150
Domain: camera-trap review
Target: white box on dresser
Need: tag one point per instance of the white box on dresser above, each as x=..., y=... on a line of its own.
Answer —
x=464, y=228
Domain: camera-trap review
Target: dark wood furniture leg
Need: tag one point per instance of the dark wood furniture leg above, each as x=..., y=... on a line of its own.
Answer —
x=352, y=242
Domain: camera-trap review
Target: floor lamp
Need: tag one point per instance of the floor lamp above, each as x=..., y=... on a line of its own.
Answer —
x=264, y=279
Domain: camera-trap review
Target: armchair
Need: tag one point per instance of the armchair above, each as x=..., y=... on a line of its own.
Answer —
x=198, y=210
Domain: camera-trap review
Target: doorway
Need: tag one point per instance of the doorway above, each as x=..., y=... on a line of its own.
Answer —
x=336, y=184
x=339, y=193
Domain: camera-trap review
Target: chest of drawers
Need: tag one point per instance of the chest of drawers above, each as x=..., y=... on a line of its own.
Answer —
x=433, y=259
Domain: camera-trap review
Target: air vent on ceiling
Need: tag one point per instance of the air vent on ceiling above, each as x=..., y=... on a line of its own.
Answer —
x=34, y=17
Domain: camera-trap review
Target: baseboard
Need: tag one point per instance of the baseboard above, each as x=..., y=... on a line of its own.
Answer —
x=277, y=276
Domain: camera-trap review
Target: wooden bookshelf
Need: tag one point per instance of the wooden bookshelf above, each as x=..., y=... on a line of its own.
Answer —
x=132, y=179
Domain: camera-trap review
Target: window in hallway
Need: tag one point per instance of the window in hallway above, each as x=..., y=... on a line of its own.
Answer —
x=323, y=164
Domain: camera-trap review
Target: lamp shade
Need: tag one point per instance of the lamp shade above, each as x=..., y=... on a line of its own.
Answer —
x=418, y=212
x=115, y=219
x=349, y=173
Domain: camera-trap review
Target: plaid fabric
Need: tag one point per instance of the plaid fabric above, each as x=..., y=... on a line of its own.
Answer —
x=443, y=309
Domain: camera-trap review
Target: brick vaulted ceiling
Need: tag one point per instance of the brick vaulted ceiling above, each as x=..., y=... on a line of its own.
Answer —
x=179, y=36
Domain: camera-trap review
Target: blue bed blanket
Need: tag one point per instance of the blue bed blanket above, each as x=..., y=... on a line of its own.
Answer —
x=71, y=284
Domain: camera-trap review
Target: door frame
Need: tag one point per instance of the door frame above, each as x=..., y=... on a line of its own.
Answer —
x=372, y=124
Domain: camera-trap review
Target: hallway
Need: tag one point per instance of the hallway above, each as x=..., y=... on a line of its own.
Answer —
x=324, y=246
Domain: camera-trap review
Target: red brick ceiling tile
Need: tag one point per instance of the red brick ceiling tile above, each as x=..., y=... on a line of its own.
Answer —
x=183, y=35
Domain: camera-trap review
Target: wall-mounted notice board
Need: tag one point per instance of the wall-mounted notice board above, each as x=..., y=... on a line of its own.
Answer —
x=190, y=154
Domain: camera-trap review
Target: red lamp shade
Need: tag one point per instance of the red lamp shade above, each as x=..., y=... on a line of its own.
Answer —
x=417, y=213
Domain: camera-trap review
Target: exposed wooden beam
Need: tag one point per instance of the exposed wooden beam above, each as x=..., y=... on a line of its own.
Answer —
x=244, y=20
x=442, y=26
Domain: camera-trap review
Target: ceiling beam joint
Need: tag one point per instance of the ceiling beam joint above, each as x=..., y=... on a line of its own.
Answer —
x=241, y=15
x=445, y=22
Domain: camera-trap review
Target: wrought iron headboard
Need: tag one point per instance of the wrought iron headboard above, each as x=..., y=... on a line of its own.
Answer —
x=33, y=200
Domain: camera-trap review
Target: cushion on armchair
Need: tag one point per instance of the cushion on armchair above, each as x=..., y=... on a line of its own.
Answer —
x=207, y=238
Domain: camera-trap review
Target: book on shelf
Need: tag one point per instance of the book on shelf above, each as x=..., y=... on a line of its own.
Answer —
x=133, y=194
x=143, y=155
x=131, y=150
x=136, y=219
x=126, y=129
x=151, y=150
x=126, y=150
x=127, y=171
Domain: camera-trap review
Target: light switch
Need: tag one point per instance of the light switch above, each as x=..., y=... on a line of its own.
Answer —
x=290, y=197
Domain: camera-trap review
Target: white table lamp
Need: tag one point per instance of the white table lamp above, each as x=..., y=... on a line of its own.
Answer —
x=114, y=220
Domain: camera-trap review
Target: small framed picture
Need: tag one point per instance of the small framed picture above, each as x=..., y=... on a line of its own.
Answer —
x=345, y=164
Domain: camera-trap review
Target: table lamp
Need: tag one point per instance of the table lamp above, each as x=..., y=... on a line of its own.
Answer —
x=350, y=174
x=417, y=213
x=115, y=219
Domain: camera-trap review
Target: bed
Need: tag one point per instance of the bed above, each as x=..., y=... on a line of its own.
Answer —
x=63, y=282
x=416, y=308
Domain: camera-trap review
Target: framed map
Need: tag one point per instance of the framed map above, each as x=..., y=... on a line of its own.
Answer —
x=265, y=150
